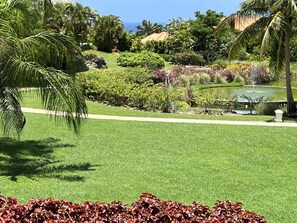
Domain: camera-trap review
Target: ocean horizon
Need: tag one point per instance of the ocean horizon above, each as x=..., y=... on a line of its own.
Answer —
x=131, y=26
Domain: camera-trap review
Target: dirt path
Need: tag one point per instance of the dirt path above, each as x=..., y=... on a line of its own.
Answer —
x=173, y=120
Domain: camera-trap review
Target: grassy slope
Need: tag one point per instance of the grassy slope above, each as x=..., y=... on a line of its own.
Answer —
x=113, y=160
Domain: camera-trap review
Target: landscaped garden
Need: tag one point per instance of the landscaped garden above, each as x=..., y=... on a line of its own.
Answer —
x=71, y=61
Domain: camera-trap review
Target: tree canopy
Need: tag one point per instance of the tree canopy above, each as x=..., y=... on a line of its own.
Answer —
x=24, y=62
x=275, y=28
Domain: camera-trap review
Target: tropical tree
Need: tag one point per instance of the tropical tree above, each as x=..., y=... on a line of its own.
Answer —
x=180, y=36
x=108, y=30
x=275, y=28
x=23, y=63
x=148, y=28
x=208, y=44
x=74, y=20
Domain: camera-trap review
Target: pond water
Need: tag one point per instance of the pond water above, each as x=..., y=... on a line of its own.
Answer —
x=269, y=93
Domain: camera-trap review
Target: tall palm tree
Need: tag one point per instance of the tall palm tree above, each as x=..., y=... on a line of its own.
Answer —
x=275, y=27
x=177, y=24
x=107, y=32
x=147, y=28
x=23, y=64
x=77, y=21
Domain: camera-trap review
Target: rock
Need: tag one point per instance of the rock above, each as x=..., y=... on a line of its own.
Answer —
x=94, y=61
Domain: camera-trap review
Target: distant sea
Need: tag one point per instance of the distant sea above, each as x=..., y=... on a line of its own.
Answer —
x=131, y=26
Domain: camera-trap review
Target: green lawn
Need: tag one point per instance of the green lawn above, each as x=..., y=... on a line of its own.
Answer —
x=117, y=160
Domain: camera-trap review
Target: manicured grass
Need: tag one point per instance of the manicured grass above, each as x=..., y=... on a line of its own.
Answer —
x=31, y=100
x=282, y=83
x=115, y=160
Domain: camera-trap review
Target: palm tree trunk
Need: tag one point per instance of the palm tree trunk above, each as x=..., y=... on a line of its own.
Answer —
x=291, y=106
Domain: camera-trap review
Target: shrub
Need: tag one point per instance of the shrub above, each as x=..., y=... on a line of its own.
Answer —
x=239, y=67
x=194, y=79
x=160, y=98
x=256, y=57
x=228, y=74
x=138, y=75
x=266, y=108
x=204, y=78
x=156, y=46
x=184, y=80
x=215, y=67
x=188, y=58
x=105, y=86
x=166, y=57
x=200, y=79
x=218, y=79
x=238, y=79
x=260, y=75
x=222, y=63
x=136, y=45
x=143, y=59
x=160, y=75
x=182, y=105
x=148, y=208
x=131, y=87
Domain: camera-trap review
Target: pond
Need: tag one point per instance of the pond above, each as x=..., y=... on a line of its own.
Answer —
x=254, y=92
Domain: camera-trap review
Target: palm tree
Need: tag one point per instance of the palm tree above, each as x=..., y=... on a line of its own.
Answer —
x=23, y=64
x=77, y=21
x=181, y=38
x=275, y=28
x=107, y=32
x=148, y=28
x=177, y=24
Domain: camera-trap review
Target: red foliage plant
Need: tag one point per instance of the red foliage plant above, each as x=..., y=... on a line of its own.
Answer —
x=147, y=209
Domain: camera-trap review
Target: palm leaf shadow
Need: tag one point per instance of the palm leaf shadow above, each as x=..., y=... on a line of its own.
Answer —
x=34, y=159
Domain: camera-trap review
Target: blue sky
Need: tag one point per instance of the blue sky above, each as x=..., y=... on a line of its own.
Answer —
x=159, y=10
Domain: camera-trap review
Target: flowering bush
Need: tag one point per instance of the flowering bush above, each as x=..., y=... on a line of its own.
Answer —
x=239, y=67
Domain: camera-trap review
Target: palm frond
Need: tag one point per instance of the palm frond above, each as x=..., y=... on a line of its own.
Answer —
x=249, y=32
x=54, y=48
x=275, y=25
x=16, y=4
x=255, y=7
x=225, y=23
x=58, y=91
x=292, y=8
x=20, y=16
x=277, y=54
x=6, y=30
x=12, y=117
